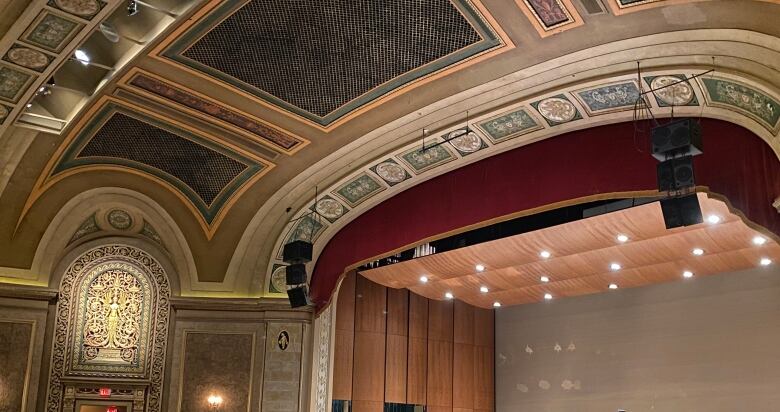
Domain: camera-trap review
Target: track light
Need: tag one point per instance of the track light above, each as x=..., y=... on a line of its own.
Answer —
x=132, y=8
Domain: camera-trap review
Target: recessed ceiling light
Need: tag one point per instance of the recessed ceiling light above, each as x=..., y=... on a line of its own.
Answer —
x=81, y=56
x=713, y=219
x=622, y=238
x=547, y=296
x=28, y=105
x=544, y=279
x=698, y=251
x=615, y=266
x=496, y=304
x=613, y=286
x=424, y=279
x=687, y=274
x=480, y=268
x=483, y=289
x=759, y=240
x=449, y=295
x=766, y=261
x=544, y=254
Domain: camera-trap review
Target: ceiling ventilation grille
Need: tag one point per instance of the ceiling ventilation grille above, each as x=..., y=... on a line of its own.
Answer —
x=593, y=6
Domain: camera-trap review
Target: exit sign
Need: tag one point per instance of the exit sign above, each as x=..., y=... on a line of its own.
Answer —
x=106, y=392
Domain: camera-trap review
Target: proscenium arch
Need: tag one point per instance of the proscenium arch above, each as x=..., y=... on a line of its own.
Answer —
x=740, y=55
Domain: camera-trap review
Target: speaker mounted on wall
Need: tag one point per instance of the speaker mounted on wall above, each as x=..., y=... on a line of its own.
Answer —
x=296, y=274
x=675, y=174
x=298, y=251
x=298, y=296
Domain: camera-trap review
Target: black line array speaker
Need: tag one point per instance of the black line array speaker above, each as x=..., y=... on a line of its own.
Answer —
x=677, y=138
x=296, y=274
x=298, y=251
x=681, y=211
x=299, y=296
x=675, y=174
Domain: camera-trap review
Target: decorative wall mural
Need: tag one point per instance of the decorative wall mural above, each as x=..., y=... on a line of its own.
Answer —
x=111, y=322
x=82, y=8
x=465, y=143
x=626, y=6
x=51, y=32
x=148, y=231
x=112, y=319
x=421, y=160
x=259, y=129
x=733, y=95
x=329, y=208
x=87, y=228
x=557, y=110
x=359, y=189
x=672, y=90
x=391, y=172
x=416, y=38
x=13, y=83
x=119, y=219
x=29, y=58
x=508, y=126
x=306, y=228
x=550, y=16
x=609, y=98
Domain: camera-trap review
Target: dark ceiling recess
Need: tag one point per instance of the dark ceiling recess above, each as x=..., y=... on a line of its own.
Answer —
x=319, y=55
x=515, y=227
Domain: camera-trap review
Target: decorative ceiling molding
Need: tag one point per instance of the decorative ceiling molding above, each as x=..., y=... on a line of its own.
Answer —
x=208, y=186
x=619, y=7
x=550, y=16
x=196, y=104
x=332, y=100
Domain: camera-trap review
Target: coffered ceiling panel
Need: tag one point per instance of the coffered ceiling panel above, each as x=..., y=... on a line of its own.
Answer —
x=322, y=61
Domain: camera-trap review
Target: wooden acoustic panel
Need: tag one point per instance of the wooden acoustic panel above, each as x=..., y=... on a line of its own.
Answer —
x=582, y=252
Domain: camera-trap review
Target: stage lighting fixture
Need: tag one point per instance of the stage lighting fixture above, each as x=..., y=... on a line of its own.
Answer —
x=132, y=8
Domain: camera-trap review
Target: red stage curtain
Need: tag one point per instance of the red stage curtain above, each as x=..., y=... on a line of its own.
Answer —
x=608, y=159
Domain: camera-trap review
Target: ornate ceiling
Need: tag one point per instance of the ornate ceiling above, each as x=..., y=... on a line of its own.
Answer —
x=213, y=121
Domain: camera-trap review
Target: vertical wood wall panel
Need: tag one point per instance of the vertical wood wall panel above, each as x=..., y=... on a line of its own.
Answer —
x=344, y=338
x=397, y=344
x=368, y=371
x=440, y=353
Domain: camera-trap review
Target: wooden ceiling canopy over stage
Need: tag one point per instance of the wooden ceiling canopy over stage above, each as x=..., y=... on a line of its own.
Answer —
x=581, y=257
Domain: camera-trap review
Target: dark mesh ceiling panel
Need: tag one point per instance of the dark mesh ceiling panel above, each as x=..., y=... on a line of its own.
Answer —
x=204, y=170
x=319, y=54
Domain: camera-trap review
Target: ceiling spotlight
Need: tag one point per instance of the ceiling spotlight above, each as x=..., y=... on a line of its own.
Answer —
x=28, y=105
x=687, y=274
x=496, y=304
x=613, y=286
x=622, y=238
x=81, y=56
x=424, y=279
x=713, y=219
x=480, y=268
x=544, y=254
x=698, y=251
x=449, y=295
x=547, y=296
x=759, y=240
x=615, y=266
x=766, y=261
x=132, y=8
x=483, y=289
x=544, y=279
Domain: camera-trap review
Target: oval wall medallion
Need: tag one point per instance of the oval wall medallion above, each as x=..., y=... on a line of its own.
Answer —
x=32, y=59
x=391, y=172
x=672, y=90
x=465, y=142
x=119, y=219
x=283, y=340
x=84, y=8
x=330, y=209
x=557, y=110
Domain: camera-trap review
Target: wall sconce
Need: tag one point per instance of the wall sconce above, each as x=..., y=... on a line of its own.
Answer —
x=215, y=402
